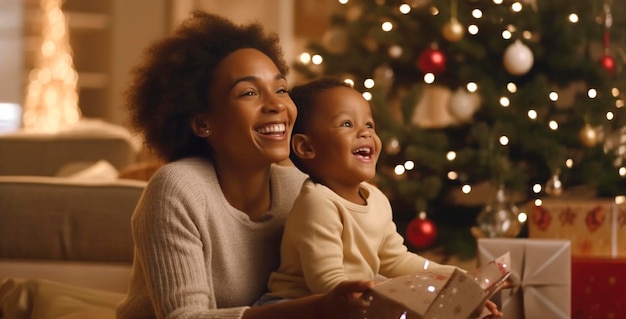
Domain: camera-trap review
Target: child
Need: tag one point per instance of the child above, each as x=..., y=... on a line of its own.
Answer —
x=340, y=227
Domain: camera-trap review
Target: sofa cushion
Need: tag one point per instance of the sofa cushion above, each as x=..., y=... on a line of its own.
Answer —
x=43, y=299
x=88, y=141
x=58, y=218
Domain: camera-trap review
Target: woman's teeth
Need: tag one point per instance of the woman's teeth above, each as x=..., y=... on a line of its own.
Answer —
x=274, y=128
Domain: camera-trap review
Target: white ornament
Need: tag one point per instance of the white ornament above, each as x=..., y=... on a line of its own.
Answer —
x=464, y=104
x=518, y=58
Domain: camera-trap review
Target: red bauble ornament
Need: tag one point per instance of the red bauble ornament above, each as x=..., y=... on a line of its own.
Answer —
x=608, y=63
x=432, y=61
x=421, y=232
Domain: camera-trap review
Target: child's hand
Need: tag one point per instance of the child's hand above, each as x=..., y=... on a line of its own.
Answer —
x=493, y=308
x=345, y=302
x=490, y=310
x=507, y=284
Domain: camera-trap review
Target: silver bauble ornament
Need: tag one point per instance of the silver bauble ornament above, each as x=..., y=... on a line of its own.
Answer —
x=616, y=142
x=518, y=58
x=499, y=218
x=554, y=186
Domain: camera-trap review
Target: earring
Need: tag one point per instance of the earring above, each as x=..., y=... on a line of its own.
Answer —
x=207, y=131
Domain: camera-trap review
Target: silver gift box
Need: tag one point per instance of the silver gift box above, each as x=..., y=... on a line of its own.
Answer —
x=540, y=277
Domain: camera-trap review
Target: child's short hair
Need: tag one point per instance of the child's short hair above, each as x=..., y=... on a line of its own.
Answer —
x=304, y=96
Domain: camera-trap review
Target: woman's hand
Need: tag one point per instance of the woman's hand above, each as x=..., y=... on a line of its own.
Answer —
x=345, y=302
x=490, y=310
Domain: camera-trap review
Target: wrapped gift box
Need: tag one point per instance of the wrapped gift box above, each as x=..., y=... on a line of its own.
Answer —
x=438, y=293
x=540, y=276
x=598, y=288
x=595, y=227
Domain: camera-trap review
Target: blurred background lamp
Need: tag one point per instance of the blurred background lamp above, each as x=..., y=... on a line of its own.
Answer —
x=10, y=117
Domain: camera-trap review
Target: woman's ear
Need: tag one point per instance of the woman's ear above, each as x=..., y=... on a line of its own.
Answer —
x=200, y=126
x=301, y=146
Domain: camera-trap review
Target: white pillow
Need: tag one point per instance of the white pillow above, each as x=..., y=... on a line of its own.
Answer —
x=100, y=170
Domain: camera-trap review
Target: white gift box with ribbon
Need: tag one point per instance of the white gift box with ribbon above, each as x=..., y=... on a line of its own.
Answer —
x=540, y=276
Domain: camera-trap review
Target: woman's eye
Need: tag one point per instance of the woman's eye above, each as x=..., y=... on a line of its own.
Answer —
x=248, y=93
x=283, y=91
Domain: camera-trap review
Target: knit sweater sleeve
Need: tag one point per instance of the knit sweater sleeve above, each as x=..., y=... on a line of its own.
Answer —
x=314, y=227
x=395, y=258
x=171, y=252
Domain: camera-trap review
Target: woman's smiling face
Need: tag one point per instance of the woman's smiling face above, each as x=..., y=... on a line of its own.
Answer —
x=252, y=114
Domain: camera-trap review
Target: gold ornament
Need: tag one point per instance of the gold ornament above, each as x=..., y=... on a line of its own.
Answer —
x=453, y=30
x=432, y=109
x=395, y=51
x=588, y=136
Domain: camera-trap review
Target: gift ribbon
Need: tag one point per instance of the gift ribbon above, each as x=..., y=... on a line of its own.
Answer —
x=614, y=230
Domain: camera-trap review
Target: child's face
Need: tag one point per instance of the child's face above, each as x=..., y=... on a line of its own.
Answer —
x=344, y=139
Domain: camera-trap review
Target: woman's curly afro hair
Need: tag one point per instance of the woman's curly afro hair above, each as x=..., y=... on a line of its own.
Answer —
x=170, y=86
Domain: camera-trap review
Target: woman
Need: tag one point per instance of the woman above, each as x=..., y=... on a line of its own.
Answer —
x=212, y=101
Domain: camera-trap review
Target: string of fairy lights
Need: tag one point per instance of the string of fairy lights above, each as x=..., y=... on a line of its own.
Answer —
x=454, y=31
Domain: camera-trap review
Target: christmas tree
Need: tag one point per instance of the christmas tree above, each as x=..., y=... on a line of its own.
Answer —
x=525, y=96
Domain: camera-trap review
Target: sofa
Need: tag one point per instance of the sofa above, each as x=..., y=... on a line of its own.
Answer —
x=65, y=245
x=48, y=154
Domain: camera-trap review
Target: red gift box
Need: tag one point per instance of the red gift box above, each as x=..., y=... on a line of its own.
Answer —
x=598, y=288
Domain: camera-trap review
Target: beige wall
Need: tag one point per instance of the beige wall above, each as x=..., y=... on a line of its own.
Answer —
x=275, y=15
x=11, y=21
x=295, y=21
x=135, y=24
